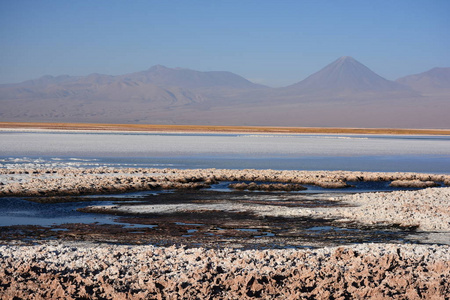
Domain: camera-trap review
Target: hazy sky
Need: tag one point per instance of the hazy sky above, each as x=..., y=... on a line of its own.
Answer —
x=271, y=42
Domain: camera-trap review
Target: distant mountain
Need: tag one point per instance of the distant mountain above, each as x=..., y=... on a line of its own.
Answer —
x=158, y=86
x=85, y=89
x=343, y=94
x=433, y=80
x=190, y=79
x=345, y=75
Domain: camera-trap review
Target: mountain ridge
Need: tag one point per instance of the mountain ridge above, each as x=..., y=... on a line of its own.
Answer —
x=431, y=80
x=344, y=93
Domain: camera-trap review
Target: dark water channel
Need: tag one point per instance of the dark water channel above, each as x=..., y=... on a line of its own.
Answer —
x=29, y=221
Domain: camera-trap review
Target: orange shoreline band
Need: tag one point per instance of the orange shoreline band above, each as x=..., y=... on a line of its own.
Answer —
x=219, y=129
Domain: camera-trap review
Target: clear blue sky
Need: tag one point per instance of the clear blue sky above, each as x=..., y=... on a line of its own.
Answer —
x=271, y=42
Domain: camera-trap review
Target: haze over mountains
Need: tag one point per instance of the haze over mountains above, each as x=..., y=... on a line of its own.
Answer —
x=436, y=80
x=343, y=94
x=345, y=75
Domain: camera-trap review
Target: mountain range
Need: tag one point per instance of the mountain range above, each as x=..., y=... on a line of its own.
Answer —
x=345, y=93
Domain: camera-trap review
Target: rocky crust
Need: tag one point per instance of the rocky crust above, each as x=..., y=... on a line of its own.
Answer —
x=94, y=271
x=77, y=181
x=413, y=183
x=366, y=271
x=427, y=210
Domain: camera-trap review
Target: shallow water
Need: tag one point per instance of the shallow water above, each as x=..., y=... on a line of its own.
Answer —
x=18, y=211
x=211, y=221
x=429, y=154
x=355, y=187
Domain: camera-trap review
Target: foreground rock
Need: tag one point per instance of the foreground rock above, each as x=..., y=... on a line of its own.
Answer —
x=147, y=272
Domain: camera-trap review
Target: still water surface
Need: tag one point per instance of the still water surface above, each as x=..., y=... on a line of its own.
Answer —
x=233, y=151
x=33, y=149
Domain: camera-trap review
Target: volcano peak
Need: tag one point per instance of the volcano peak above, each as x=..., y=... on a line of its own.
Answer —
x=345, y=74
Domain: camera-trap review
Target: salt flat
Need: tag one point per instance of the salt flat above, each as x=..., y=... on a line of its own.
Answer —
x=48, y=165
x=192, y=150
x=150, y=144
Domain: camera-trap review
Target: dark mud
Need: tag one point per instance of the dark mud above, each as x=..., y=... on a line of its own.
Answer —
x=214, y=228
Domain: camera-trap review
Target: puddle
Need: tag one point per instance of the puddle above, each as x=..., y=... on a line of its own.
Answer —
x=59, y=229
x=187, y=224
x=354, y=187
x=133, y=195
x=189, y=231
x=328, y=228
x=126, y=225
x=18, y=211
x=205, y=226
x=247, y=230
x=265, y=234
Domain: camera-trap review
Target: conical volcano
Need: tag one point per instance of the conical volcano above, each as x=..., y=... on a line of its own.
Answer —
x=345, y=75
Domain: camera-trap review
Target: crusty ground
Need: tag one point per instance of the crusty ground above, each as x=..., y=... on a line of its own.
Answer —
x=427, y=209
x=94, y=271
x=365, y=271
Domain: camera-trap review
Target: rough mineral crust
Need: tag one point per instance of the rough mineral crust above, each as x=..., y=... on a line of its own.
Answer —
x=413, y=183
x=78, y=181
x=371, y=271
x=365, y=271
x=428, y=210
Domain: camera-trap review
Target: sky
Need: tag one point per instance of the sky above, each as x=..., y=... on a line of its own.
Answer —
x=276, y=43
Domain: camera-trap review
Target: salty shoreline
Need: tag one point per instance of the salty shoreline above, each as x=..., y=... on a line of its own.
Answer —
x=428, y=209
x=78, y=181
x=67, y=269
x=215, y=129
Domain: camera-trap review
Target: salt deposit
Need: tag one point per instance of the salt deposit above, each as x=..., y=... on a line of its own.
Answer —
x=66, y=181
x=74, y=271
x=99, y=144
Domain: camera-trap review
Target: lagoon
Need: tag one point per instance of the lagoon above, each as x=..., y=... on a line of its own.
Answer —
x=388, y=153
